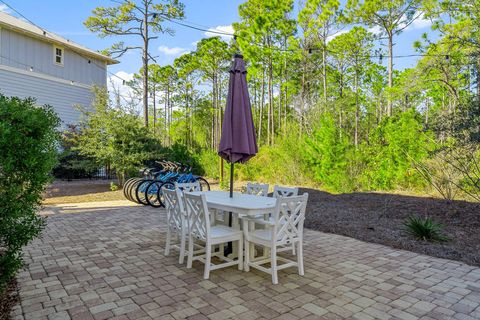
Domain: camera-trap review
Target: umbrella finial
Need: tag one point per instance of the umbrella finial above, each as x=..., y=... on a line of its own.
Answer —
x=235, y=44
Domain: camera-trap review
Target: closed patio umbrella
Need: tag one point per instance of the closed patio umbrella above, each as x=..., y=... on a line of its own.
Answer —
x=238, y=142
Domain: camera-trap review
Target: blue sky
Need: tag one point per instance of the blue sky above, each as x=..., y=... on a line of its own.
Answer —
x=66, y=19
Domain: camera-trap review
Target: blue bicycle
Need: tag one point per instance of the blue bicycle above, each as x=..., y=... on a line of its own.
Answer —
x=153, y=192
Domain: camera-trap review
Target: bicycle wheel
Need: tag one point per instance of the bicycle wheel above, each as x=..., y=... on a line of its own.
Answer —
x=167, y=185
x=132, y=190
x=151, y=194
x=140, y=191
x=126, y=186
x=204, y=185
x=128, y=189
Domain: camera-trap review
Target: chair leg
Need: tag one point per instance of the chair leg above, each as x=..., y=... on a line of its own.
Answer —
x=293, y=248
x=167, y=242
x=190, y=252
x=240, y=254
x=247, y=255
x=300, y=258
x=182, y=247
x=273, y=263
x=208, y=259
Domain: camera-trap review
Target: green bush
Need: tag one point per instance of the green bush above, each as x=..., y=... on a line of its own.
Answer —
x=71, y=164
x=424, y=229
x=277, y=164
x=328, y=153
x=393, y=147
x=208, y=161
x=112, y=136
x=28, y=144
x=180, y=153
x=113, y=186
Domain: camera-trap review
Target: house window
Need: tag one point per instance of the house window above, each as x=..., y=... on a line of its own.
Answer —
x=58, y=56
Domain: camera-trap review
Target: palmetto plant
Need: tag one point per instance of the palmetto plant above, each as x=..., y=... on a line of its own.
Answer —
x=424, y=229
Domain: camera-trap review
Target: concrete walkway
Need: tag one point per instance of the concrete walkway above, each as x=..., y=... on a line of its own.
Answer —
x=105, y=261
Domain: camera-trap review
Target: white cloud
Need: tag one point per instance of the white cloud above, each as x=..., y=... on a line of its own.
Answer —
x=224, y=32
x=174, y=51
x=420, y=23
x=333, y=36
x=4, y=8
x=375, y=30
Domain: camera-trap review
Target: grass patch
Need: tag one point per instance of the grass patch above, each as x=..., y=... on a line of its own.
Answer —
x=91, y=197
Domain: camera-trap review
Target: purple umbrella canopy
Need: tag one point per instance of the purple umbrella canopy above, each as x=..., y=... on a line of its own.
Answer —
x=238, y=142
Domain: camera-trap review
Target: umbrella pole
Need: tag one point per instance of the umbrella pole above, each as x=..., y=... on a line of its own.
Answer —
x=231, y=180
x=229, y=248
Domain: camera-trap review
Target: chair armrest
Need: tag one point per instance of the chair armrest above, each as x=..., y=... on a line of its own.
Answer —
x=258, y=220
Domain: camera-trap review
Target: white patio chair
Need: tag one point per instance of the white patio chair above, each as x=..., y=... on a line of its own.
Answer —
x=280, y=191
x=286, y=229
x=257, y=189
x=188, y=186
x=199, y=229
x=176, y=221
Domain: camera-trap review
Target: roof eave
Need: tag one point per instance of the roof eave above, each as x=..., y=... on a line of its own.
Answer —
x=92, y=54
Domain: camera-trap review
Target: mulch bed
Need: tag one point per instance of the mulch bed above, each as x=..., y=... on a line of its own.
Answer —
x=378, y=218
x=8, y=300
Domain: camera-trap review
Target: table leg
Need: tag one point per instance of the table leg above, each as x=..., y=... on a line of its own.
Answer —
x=251, y=227
x=233, y=247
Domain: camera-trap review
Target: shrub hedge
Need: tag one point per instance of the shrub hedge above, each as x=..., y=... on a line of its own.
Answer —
x=28, y=148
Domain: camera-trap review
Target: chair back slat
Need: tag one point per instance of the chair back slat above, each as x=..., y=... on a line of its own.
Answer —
x=198, y=216
x=289, y=216
x=257, y=189
x=279, y=191
x=188, y=187
x=174, y=206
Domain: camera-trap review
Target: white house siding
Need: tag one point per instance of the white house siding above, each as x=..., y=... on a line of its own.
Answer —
x=23, y=52
x=61, y=96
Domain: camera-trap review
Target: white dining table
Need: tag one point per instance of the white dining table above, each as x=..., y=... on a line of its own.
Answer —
x=241, y=204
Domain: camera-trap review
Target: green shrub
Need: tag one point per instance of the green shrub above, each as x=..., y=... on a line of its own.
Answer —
x=180, y=153
x=393, y=147
x=280, y=163
x=112, y=136
x=327, y=153
x=424, y=229
x=71, y=164
x=208, y=161
x=28, y=144
x=113, y=186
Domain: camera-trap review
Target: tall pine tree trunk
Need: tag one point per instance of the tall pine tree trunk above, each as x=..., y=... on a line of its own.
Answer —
x=286, y=99
x=324, y=68
x=390, y=73
x=270, y=102
x=262, y=103
x=357, y=108
x=212, y=142
x=154, y=108
x=478, y=77
x=145, y=65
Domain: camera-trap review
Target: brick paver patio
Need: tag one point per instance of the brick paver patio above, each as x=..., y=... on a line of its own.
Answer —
x=105, y=261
